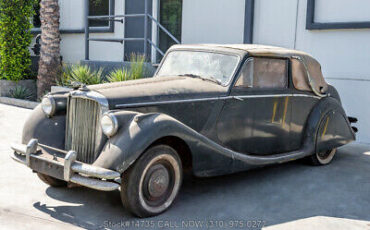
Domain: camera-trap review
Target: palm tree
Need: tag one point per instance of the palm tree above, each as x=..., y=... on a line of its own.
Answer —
x=49, y=64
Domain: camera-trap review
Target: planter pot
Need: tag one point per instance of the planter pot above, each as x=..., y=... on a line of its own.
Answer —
x=56, y=89
x=7, y=86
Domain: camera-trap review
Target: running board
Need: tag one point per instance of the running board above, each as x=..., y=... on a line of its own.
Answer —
x=273, y=159
x=306, y=150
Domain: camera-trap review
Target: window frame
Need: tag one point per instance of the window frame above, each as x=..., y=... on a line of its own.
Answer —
x=252, y=58
x=92, y=29
x=311, y=24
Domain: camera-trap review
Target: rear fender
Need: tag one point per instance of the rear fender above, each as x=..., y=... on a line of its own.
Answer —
x=328, y=125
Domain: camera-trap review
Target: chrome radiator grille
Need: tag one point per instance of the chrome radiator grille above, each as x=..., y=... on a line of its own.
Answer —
x=83, y=132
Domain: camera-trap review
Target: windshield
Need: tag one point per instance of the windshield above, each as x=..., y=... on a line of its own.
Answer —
x=213, y=66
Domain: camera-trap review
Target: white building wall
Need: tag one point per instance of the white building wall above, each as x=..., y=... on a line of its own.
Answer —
x=71, y=14
x=275, y=22
x=73, y=45
x=344, y=54
x=345, y=11
x=203, y=21
x=213, y=21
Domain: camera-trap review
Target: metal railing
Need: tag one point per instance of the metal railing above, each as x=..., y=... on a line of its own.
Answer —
x=121, y=19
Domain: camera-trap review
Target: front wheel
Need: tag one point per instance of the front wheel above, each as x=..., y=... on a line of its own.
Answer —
x=150, y=186
x=322, y=158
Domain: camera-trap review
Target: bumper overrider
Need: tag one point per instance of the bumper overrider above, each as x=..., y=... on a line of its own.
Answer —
x=65, y=167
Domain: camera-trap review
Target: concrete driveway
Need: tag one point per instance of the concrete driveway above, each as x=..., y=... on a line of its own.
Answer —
x=288, y=196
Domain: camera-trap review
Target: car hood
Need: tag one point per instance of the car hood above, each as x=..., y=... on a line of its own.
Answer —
x=158, y=89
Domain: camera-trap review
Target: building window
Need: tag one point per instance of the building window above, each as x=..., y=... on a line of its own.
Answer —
x=364, y=23
x=100, y=8
x=170, y=16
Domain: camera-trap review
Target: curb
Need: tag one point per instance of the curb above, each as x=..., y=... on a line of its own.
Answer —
x=18, y=102
x=30, y=104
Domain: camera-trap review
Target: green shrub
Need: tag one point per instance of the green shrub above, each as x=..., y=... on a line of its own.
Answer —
x=135, y=71
x=137, y=66
x=20, y=92
x=119, y=75
x=15, y=38
x=80, y=73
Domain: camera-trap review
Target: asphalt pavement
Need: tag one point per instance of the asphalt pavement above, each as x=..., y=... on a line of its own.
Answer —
x=287, y=196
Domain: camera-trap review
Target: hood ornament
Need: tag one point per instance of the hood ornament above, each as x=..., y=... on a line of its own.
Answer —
x=78, y=85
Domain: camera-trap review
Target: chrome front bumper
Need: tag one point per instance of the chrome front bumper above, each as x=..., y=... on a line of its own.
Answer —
x=65, y=168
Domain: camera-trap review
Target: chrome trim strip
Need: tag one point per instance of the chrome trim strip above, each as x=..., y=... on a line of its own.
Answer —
x=52, y=148
x=278, y=95
x=142, y=104
x=102, y=100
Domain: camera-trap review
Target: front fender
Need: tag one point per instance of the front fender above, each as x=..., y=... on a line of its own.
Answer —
x=48, y=131
x=138, y=131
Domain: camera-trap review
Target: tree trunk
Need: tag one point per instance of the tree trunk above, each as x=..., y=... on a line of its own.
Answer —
x=49, y=64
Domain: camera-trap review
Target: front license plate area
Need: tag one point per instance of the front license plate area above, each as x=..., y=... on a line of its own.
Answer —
x=47, y=168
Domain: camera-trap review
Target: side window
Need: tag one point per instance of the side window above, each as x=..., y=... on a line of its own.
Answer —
x=263, y=73
x=246, y=75
x=270, y=73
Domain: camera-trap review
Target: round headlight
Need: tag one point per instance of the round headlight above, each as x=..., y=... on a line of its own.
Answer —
x=48, y=105
x=109, y=124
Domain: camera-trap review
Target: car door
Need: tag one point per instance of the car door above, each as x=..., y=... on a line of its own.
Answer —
x=256, y=117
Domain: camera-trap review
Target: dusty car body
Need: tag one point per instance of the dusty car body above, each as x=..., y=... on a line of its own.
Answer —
x=266, y=105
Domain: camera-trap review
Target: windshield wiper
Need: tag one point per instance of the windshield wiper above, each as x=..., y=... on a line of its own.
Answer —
x=211, y=79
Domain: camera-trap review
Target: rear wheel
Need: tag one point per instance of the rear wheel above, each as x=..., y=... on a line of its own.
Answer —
x=322, y=158
x=151, y=185
x=52, y=181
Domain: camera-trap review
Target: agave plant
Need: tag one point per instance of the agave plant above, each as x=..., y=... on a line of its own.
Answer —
x=20, y=92
x=82, y=74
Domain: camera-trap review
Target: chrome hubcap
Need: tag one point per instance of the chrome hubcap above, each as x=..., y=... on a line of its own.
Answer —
x=158, y=181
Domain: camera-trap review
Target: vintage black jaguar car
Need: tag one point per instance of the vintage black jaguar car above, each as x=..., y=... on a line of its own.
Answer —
x=209, y=109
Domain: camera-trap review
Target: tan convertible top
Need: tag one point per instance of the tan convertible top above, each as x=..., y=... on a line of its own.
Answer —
x=306, y=70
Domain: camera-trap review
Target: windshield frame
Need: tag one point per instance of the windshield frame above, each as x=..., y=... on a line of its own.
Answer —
x=232, y=76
